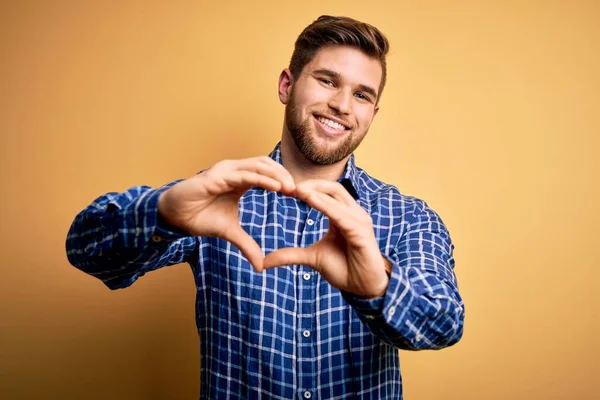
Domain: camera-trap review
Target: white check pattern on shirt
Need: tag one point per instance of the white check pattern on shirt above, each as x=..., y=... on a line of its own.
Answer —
x=286, y=333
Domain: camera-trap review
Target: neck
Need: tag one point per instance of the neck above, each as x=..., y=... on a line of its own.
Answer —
x=302, y=169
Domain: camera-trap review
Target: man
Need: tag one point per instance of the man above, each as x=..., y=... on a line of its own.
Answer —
x=310, y=273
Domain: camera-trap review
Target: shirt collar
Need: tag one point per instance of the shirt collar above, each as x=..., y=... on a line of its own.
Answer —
x=349, y=178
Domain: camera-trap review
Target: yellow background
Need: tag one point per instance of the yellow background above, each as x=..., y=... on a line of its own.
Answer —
x=490, y=114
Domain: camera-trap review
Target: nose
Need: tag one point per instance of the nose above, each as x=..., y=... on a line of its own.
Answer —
x=341, y=101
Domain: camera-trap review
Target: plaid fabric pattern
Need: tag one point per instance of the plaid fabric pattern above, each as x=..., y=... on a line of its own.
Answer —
x=286, y=333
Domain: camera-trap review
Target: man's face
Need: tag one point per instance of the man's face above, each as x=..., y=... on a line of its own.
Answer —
x=332, y=103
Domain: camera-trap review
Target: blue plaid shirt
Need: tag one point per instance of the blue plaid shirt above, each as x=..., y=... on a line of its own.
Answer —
x=287, y=333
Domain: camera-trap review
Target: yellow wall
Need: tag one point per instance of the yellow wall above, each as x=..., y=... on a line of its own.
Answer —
x=490, y=114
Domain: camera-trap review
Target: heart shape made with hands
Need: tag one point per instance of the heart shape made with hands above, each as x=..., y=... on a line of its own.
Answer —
x=348, y=255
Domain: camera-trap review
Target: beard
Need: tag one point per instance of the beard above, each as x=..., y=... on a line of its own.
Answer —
x=306, y=141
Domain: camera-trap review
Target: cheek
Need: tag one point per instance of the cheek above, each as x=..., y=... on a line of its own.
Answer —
x=315, y=94
x=364, y=118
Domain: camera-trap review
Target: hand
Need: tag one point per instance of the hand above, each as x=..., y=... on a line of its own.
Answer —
x=348, y=256
x=207, y=204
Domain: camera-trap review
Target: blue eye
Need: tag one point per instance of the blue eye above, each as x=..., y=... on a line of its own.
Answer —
x=362, y=96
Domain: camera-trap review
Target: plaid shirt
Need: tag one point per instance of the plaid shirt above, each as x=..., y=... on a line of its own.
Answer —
x=287, y=333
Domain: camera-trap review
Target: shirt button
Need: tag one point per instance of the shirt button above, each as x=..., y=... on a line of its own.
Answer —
x=307, y=395
x=392, y=311
x=306, y=276
x=310, y=222
x=306, y=334
x=156, y=239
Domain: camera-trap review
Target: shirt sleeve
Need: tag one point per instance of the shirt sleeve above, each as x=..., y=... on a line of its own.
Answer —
x=119, y=237
x=422, y=307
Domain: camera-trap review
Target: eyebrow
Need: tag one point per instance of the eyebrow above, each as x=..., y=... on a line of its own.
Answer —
x=336, y=75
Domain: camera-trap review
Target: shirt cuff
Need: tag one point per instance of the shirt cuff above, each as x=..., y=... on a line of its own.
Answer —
x=163, y=231
x=374, y=308
x=368, y=307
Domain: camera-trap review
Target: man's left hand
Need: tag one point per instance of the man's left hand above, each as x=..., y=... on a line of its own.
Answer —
x=348, y=256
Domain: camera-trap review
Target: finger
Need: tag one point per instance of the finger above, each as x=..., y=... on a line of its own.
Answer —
x=282, y=170
x=268, y=167
x=333, y=189
x=247, y=179
x=343, y=216
x=291, y=255
x=247, y=245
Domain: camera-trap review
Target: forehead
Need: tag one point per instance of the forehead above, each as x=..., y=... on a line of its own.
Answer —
x=352, y=64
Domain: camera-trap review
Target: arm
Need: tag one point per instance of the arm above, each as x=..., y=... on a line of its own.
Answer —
x=120, y=237
x=418, y=306
x=421, y=308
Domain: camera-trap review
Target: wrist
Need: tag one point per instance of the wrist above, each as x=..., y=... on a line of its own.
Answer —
x=164, y=221
x=384, y=283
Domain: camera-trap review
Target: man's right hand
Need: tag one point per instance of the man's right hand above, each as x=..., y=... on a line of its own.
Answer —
x=207, y=204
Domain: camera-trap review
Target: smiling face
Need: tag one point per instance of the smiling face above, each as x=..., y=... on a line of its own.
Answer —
x=331, y=105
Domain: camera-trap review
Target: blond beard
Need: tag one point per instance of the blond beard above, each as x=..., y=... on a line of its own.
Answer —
x=304, y=138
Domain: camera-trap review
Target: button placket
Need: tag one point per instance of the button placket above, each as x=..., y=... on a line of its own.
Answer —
x=307, y=311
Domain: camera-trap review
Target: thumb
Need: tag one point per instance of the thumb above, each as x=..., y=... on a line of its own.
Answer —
x=248, y=246
x=290, y=255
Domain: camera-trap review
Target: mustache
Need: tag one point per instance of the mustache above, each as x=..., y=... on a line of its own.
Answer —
x=293, y=108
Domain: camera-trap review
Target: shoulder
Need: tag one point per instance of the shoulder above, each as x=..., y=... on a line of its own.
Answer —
x=399, y=214
x=383, y=199
x=379, y=194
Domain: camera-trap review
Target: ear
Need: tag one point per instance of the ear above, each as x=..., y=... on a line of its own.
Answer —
x=375, y=112
x=286, y=80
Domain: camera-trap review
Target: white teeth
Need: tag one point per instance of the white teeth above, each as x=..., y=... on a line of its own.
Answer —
x=331, y=123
